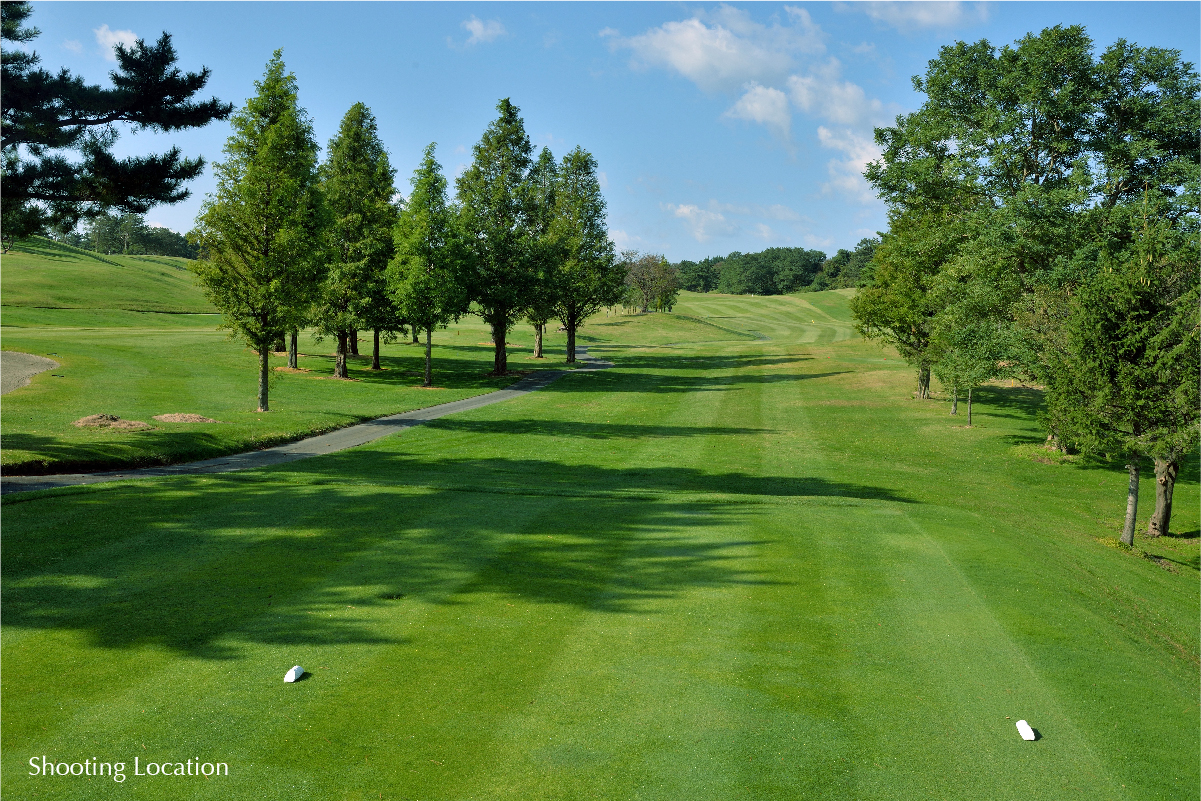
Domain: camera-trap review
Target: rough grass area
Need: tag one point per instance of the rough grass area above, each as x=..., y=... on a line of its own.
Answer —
x=747, y=568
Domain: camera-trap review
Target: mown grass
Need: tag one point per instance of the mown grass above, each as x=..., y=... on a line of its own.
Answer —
x=728, y=567
x=135, y=338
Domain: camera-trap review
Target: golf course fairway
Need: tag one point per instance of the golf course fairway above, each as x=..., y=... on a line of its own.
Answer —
x=743, y=563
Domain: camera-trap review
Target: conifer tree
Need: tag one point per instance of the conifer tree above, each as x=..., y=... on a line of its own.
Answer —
x=588, y=276
x=58, y=132
x=495, y=213
x=424, y=275
x=357, y=181
x=261, y=231
x=543, y=181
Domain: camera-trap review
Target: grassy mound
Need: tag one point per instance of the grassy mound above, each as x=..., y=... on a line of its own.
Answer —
x=44, y=274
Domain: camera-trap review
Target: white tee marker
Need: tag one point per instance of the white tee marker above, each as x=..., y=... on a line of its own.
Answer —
x=1025, y=730
x=295, y=673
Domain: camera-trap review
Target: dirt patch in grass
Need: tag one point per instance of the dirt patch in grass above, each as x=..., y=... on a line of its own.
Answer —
x=1040, y=453
x=110, y=421
x=292, y=370
x=176, y=417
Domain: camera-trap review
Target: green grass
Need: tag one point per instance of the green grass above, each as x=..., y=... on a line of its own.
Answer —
x=105, y=320
x=42, y=273
x=729, y=567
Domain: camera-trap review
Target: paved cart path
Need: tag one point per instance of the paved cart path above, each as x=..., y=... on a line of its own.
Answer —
x=340, y=440
x=17, y=368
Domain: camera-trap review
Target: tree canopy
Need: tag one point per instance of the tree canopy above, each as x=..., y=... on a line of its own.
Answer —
x=261, y=233
x=47, y=118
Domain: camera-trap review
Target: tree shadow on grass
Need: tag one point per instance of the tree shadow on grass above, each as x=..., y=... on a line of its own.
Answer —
x=198, y=565
x=576, y=429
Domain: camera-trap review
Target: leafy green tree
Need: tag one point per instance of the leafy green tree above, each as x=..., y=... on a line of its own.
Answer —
x=587, y=276
x=357, y=181
x=697, y=276
x=651, y=283
x=898, y=307
x=425, y=274
x=1127, y=380
x=543, y=180
x=47, y=117
x=496, y=214
x=846, y=268
x=796, y=268
x=969, y=344
x=262, y=231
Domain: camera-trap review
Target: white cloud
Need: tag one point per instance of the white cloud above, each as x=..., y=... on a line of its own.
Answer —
x=623, y=240
x=725, y=49
x=846, y=174
x=109, y=39
x=781, y=212
x=764, y=232
x=907, y=16
x=823, y=92
x=74, y=45
x=766, y=106
x=482, y=31
x=702, y=224
x=602, y=179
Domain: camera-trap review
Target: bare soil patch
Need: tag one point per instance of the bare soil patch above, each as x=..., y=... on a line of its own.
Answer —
x=110, y=421
x=292, y=370
x=176, y=417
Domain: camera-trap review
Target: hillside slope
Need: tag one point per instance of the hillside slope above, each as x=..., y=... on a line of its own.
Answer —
x=44, y=274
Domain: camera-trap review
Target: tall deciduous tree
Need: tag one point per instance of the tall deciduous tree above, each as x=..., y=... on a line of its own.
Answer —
x=262, y=231
x=587, y=276
x=496, y=216
x=46, y=117
x=357, y=180
x=425, y=274
x=898, y=307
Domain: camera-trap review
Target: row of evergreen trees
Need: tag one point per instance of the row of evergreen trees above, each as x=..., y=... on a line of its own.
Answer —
x=1044, y=224
x=777, y=271
x=127, y=235
x=287, y=242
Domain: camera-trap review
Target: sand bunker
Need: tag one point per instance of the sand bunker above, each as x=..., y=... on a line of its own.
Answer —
x=184, y=418
x=110, y=421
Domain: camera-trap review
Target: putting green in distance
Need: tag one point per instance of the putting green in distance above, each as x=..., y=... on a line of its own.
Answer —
x=730, y=568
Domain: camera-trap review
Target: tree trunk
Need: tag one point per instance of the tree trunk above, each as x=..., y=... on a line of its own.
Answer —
x=292, y=347
x=570, y=325
x=969, y=407
x=923, y=382
x=1165, y=481
x=375, y=350
x=429, y=347
x=1131, y=501
x=415, y=340
x=954, y=397
x=264, y=366
x=501, y=359
x=354, y=342
x=340, y=357
x=538, y=327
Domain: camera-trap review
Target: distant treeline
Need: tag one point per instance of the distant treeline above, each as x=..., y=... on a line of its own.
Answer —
x=776, y=271
x=127, y=235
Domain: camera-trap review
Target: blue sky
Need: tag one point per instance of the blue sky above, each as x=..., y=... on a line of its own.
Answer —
x=716, y=127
